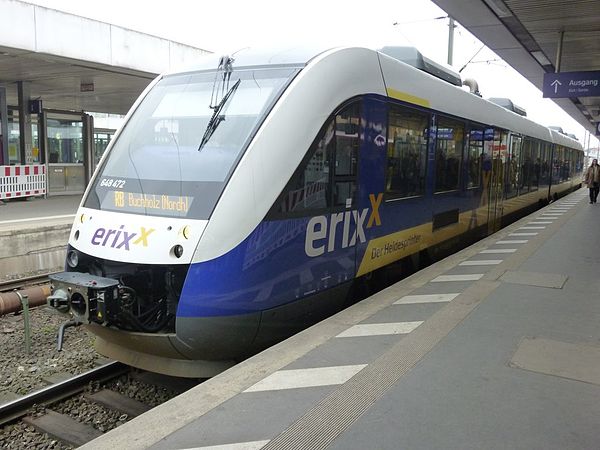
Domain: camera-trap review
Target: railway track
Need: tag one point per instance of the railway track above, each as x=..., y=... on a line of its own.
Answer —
x=61, y=426
x=23, y=283
x=59, y=391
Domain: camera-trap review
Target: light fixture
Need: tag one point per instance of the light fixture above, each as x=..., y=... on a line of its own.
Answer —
x=72, y=259
x=177, y=251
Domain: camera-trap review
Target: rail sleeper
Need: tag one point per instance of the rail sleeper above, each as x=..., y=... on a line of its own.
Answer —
x=63, y=428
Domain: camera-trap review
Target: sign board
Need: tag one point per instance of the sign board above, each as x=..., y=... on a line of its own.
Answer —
x=572, y=84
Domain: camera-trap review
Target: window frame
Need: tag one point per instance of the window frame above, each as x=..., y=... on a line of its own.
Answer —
x=390, y=196
x=460, y=180
x=276, y=214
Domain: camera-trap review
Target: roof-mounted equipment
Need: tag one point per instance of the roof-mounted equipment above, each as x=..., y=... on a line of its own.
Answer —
x=507, y=103
x=412, y=57
x=472, y=85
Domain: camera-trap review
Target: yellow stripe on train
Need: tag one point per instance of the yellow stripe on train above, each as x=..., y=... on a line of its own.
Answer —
x=387, y=249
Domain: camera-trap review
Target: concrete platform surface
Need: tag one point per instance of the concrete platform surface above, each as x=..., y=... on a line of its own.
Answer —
x=34, y=233
x=38, y=211
x=483, y=350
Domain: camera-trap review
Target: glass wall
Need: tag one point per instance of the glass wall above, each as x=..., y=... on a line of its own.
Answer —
x=65, y=140
x=66, y=154
x=14, y=140
x=101, y=140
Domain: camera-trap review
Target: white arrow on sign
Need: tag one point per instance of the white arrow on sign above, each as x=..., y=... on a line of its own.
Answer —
x=556, y=83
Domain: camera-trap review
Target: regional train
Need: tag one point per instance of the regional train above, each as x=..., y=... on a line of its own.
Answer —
x=243, y=199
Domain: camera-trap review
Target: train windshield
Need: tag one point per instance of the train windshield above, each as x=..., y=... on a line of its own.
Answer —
x=176, y=152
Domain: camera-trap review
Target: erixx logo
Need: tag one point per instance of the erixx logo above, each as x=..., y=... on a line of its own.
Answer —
x=321, y=231
x=120, y=238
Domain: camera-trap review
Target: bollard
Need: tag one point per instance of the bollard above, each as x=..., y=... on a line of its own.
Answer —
x=25, y=302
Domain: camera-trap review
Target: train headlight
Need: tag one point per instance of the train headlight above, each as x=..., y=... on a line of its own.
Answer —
x=72, y=259
x=177, y=251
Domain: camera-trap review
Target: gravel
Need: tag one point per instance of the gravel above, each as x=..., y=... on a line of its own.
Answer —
x=21, y=373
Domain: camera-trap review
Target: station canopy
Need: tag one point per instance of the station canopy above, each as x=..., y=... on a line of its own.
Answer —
x=74, y=63
x=527, y=35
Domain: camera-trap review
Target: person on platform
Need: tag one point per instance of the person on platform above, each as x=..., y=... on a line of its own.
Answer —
x=592, y=179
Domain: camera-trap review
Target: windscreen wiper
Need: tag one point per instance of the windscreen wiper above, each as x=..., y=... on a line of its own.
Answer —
x=217, y=118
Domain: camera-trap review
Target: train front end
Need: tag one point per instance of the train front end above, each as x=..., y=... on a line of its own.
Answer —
x=145, y=210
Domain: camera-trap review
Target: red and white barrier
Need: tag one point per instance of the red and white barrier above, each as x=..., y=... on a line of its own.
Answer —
x=22, y=181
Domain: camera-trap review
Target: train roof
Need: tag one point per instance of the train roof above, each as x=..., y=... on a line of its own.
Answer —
x=402, y=69
x=251, y=57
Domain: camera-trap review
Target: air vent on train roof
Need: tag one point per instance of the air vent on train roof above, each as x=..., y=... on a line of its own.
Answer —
x=507, y=103
x=563, y=132
x=412, y=57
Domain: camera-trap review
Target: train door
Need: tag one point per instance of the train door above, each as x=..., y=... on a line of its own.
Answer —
x=496, y=152
x=317, y=222
x=345, y=189
x=513, y=177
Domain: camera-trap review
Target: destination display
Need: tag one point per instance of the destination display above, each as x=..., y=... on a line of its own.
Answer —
x=170, y=205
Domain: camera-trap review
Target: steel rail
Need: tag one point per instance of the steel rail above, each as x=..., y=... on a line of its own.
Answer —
x=10, y=285
x=59, y=391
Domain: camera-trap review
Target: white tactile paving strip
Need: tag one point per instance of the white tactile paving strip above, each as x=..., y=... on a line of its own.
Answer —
x=468, y=277
x=379, y=329
x=302, y=378
x=253, y=445
x=516, y=241
x=498, y=250
x=426, y=298
x=481, y=262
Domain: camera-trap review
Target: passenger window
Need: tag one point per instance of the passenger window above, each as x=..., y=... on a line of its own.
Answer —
x=406, y=152
x=327, y=176
x=347, y=126
x=448, y=154
x=308, y=188
x=347, y=143
x=474, y=156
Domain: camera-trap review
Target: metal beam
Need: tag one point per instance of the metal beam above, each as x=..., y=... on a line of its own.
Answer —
x=559, y=50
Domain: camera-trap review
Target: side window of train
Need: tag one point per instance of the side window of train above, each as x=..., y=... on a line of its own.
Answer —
x=448, y=154
x=327, y=176
x=347, y=143
x=474, y=157
x=406, y=152
x=308, y=188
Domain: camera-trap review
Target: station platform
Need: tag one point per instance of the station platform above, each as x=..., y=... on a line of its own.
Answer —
x=34, y=233
x=36, y=211
x=494, y=347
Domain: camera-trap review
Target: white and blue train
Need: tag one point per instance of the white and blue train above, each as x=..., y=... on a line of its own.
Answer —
x=243, y=199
